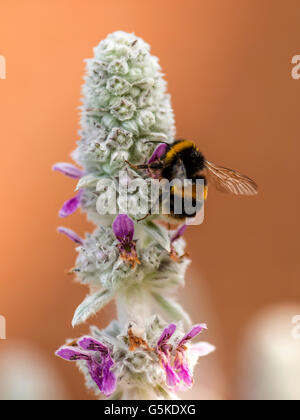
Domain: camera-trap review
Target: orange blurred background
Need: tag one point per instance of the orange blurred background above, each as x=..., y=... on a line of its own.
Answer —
x=228, y=66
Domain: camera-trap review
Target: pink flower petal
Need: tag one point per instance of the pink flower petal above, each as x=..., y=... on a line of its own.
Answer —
x=70, y=234
x=197, y=329
x=182, y=368
x=70, y=206
x=68, y=169
x=123, y=228
x=172, y=378
x=202, y=349
x=102, y=376
x=158, y=153
x=72, y=354
x=185, y=375
x=179, y=233
x=99, y=362
x=89, y=343
x=166, y=335
x=109, y=382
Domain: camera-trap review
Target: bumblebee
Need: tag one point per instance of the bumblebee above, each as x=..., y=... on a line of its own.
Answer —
x=183, y=160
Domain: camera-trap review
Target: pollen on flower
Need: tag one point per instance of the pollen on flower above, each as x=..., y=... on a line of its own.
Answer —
x=128, y=254
x=137, y=342
x=175, y=257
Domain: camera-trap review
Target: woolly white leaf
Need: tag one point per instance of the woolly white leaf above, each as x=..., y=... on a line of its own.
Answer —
x=91, y=305
x=159, y=234
x=172, y=308
x=87, y=181
x=158, y=137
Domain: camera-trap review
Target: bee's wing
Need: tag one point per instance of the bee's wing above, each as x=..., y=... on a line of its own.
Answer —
x=178, y=170
x=230, y=181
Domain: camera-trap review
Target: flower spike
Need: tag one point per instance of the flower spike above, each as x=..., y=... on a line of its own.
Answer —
x=125, y=111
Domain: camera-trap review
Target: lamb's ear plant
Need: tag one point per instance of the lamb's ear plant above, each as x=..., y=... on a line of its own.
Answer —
x=147, y=352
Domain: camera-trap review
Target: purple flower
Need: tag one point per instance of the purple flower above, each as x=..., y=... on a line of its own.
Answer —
x=98, y=359
x=68, y=169
x=71, y=205
x=181, y=363
x=158, y=153
x=163, y=350
x=71, y=235
x=123, y=228
x=197, y=329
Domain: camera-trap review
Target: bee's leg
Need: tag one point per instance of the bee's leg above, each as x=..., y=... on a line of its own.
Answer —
x=156, y=165
x=136, y=167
